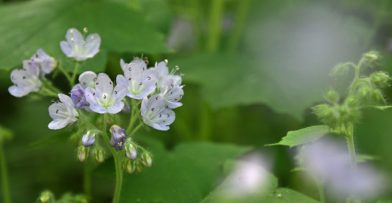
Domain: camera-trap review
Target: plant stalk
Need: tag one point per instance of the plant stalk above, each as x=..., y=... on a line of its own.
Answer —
x=214, y=25
x=4, y=176
x=74, y=73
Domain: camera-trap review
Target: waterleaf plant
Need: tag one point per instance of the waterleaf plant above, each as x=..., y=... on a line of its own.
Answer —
x=91, y=109
x=342, y=110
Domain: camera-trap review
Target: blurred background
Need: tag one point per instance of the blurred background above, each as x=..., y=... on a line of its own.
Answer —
x=252, y=70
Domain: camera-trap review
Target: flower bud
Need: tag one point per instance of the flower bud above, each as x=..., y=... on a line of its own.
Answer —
x=118, y=137
x=340, y=69
x=371, y=56
x=88, y=139
x=332, y=96
x=130, y=150
x=130, y=167
x=46, y=197
x=82, y=153
x=380, y=78
x=99, y=155
x=146, y=159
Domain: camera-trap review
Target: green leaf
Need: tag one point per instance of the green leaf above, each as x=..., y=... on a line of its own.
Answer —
x=303, y=136
x=280, y=195
x=5, y=134
x=186, y=174
x=27, y=26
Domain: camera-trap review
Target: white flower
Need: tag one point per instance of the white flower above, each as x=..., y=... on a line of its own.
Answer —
x=45, y=62
x=169, y=85
x=137, y=79
x=171, y=91
x=25, y=80
x=79, y=48
x=87, y=79
x=88, y=139
x=62, y=113
x=103, y=98
x=156, y=113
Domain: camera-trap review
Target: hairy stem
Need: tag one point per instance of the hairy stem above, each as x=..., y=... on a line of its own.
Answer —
x=214, y=25
x=133, y=118
x=4, y=176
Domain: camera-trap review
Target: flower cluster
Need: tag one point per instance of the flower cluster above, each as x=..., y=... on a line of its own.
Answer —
x=29, y=78
x=149, y=93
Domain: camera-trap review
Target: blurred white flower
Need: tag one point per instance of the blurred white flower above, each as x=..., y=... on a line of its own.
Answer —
x=137, y=79
x=249, y=176
x=25, y=80
x=79, y=48
x=331, y=163
x=45, y=62
x=156, y=113
x=62, y=113
x=104, y=98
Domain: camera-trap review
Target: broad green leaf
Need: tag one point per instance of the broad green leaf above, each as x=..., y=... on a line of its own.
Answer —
x=30, y=25
x=186, y=174
x=280, y=195
x=303, y=136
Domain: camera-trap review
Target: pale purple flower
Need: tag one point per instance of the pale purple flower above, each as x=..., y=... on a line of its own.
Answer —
x=156, y=113
x=137, y=79
x=118, y=137
x=78, y=47
x=86, y=79
x=88, y=139
x=45, y=62
x=104, y=98
x=78, y=97
x=62, y=113
x=25, y=80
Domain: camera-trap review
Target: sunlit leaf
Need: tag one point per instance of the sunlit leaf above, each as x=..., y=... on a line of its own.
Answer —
x=303, y=136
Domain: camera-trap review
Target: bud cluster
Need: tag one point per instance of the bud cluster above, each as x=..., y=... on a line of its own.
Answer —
x=342, y=110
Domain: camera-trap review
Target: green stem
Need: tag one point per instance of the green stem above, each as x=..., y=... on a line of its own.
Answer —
x=133, y=118
x=242, y=12
x=74, y=73
x=4, y=176
x=136, y=129
x=87, y=180
x=119, y=177
x=66, y=74
x=117, y=164
x=350, y=143
x=214, y=25
x=321, y=192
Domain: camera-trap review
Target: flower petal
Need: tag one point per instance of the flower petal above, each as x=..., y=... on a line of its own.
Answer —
x=87, y=79
x=93, y=42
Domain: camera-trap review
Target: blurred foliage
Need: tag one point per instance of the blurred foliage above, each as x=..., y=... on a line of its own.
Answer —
x=270, y=65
